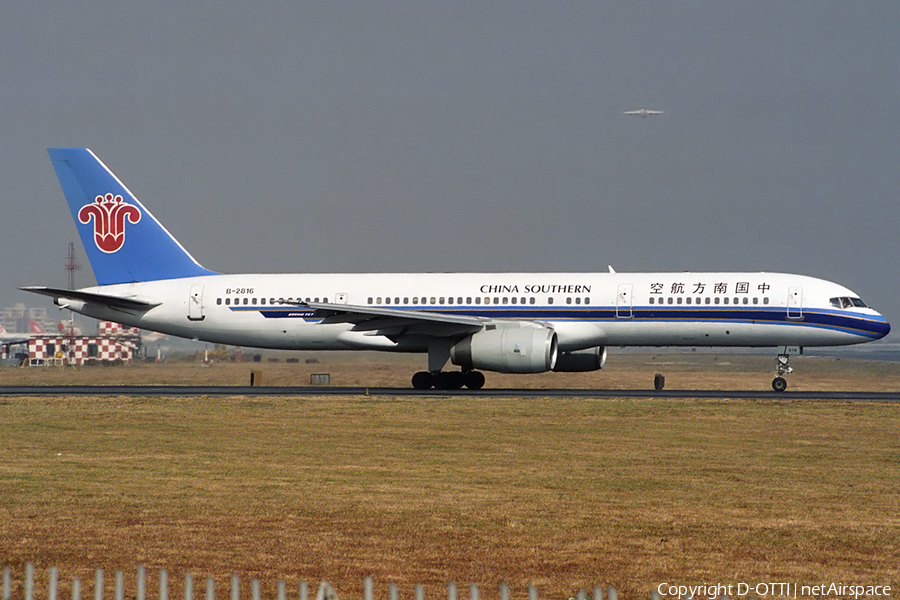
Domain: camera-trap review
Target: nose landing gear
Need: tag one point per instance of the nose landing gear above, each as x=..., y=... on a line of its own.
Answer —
x=779, y=384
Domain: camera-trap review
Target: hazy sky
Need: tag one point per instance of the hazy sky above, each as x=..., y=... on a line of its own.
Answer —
x=477, y=136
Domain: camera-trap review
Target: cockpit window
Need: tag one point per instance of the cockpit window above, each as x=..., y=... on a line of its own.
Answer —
x=847, y=302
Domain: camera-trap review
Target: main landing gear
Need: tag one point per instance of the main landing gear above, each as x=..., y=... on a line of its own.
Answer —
x=448, y=380
x=779, y=384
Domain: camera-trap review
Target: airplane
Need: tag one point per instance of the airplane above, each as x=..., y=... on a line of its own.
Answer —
x=500, y=322
x=8, y=338
x=644, y=112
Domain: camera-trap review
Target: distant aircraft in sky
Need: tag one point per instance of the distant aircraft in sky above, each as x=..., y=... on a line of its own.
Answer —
x=501, y=322
x=644, y=112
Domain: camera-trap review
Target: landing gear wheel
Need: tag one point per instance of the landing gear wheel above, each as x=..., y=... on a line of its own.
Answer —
x=779, y=384
x=423, y=380
x=474, y=380
x=448, y=380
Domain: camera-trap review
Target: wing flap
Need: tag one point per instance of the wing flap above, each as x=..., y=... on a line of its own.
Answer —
x=396, y=321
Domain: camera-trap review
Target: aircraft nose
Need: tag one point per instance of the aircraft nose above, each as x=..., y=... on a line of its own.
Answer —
x=881, y=327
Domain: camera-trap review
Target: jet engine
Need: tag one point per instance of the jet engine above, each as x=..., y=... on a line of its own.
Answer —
x=507, y=350
x=589, y=359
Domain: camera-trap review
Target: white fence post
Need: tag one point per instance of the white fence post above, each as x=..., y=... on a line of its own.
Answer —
x=98, y=584
x=504, y=591
x=210, y=588
x=76, y=589
x=598, y=592
x=120, y=586
x=141, y=592
x=163, y=584
x=368, y=588
x=54, y=583
x=392, y=592
x=282, y=590
x=188, y=587
x=235, y=587
x=420, y=591
x=532, y=592
x=612, y=594
x=29, y=581
x=254, y=588
x=304, y=590
x=451, y=591
x=473, y=591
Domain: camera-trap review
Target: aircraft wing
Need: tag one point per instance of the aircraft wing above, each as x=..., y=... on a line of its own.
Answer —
x=394, y=321
x=109, y=300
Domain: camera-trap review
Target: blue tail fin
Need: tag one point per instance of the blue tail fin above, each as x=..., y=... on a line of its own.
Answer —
x=123, y=241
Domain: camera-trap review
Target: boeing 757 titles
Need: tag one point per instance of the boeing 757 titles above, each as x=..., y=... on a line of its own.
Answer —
x=502, y=322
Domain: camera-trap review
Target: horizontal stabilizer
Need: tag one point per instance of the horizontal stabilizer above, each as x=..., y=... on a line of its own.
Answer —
x=93, y=297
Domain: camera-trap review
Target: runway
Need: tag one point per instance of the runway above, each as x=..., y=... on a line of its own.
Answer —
x=309, y=391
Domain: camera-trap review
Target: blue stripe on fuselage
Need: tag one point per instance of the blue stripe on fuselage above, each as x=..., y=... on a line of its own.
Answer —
x=863, y=325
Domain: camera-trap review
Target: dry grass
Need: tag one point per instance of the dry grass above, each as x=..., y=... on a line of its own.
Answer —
x=623, y=371
x=564, y=493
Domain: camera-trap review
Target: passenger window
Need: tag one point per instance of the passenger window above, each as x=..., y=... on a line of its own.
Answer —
x=651, y=299
x=550, y=300
x=459, y=300
x=227, y=301
x=756, y=301
x=670, y=300
x=766, y=300
x=569, y=300
x=218, y=301
x=514, y=300
x=725, y=301
x=679, y=300
x=505, y=300
x=587, y=300
x=253, y=301
x=468, y=300
x=717, y=300
x=688, y=300
x=450, y=300
x=746, y=300
x=442, y=300
x=706, y=301
x=478, y=300
x=415, y=300
x=433, y=300
x=262, y=300
x=405, y=300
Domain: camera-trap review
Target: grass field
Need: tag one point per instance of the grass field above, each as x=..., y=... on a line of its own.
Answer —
x=562, y=493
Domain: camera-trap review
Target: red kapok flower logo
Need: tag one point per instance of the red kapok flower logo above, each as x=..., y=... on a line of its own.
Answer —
x=109, y=213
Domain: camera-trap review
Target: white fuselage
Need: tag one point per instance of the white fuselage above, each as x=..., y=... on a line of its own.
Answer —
x=584, y=309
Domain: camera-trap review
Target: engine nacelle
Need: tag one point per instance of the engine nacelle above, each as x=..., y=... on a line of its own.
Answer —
x=508, y=350
x=589, y=359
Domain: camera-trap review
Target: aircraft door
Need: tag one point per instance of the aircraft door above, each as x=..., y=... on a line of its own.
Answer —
x=195, y=303
x=623, y=301
x=795, y=302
